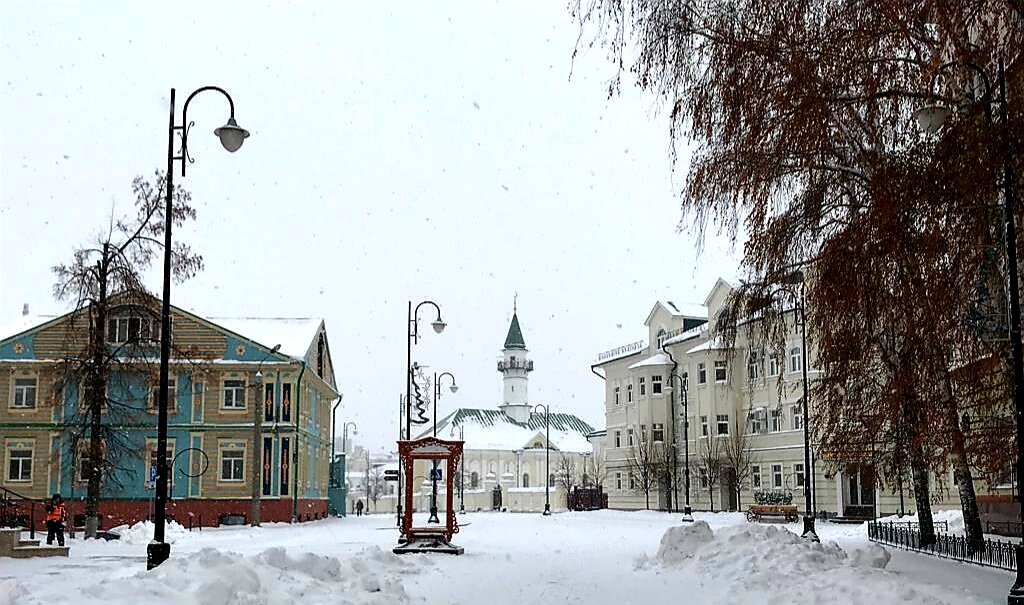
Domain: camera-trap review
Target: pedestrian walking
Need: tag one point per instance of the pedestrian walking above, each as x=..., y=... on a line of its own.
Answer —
x=56, y=516
x=359, y=508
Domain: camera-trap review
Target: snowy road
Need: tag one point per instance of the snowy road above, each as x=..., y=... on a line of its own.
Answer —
x=599, y=557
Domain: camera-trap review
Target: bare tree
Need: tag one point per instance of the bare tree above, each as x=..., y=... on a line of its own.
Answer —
x=645, y=468
x=738, y=455
x=106, y=356
x=709, y=456
x=595, y=471
x=374, y=484
x=566, y=474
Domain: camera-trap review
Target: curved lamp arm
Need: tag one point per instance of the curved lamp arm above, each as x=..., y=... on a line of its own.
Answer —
x=231, y=135
x=438, y=324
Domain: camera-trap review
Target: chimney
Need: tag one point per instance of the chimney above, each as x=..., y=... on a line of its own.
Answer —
x=24, y=310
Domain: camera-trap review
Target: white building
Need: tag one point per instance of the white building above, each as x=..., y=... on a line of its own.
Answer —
x=506, y=445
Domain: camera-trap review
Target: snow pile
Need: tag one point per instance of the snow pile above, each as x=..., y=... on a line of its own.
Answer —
x=954, y=518
x=142, y=532
x=9, y=591
x=753, y=563
x=272, y=577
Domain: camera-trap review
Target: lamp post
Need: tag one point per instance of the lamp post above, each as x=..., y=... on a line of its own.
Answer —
x=547, y=458
x=231, y=137
x=412, y=337
x=930, y=118
x=258, y=410
x=462, y=475
x=684, y=386
x=335, y=480
x=433, y=475
x=344, y=434
x=797, y=278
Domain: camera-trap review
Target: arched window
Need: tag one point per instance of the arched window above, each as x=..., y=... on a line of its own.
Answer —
x=132, y=324
x=661, y=337
x=796, y=359
x=508, y=468
x=551, y=480
x=491, y=467
x=474, y=480
x=629, y=393
x=526, y=479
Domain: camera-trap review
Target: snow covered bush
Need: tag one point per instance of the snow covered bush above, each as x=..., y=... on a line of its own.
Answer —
x=772, y=496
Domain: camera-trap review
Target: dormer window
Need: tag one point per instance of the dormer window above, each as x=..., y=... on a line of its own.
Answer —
x=131, y=326
x=661, y=337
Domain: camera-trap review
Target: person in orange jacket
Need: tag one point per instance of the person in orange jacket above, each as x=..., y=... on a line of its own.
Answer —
x=56, y=516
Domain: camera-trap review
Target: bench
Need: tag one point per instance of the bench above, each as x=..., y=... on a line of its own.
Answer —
x=773, y=512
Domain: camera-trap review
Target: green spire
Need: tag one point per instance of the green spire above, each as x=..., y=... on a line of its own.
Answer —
x=514, y=340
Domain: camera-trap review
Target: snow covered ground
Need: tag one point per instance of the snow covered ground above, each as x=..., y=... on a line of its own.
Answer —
x=597, y=557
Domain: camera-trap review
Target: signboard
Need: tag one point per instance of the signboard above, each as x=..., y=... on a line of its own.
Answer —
x=391, y=475
x=436, y=474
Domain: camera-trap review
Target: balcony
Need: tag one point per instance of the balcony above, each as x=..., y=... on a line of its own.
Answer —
x=515, y=364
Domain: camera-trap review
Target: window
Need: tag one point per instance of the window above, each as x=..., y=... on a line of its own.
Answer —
x=661, y=337
x=629, y=437
x=618, y=481
x=632, y=481
x=798, y=417
x=19, y=467
x=643, y=433
x=232, y=465
x=703, y=426
x=798, y=475
x=526, y=480
x=755, y=476
x=234, y=395
x=616, y=394
x=491, y=468
x=796, y=359
x=776, y=420
x=618, y=438
x=754, y=366
x=773, y=365
x=720, y=371
x=172, y=395
x=629, y=393
x=656, y=385
x=703, y=477
x=474, y=480
x=776, y=475
x=25, y=393
x=757, y=421
x=85, y=394
x=723, y=424
x=658, y=432
x=702, y=373
x=643, y=387
x=133, y=327
x=551, y=480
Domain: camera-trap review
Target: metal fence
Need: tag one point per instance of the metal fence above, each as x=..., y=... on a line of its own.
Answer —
x=996, y=553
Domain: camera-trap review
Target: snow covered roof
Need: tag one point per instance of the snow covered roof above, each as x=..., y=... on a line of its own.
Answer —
x=495, y=430
x=23, y=323
x=684, y=336
x=294, y=334
x=711, y=345
x=691, y=310
x=659, y=359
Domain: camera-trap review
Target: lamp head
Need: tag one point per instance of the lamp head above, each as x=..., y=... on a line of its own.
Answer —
x=930, y=118
x=259, y=377
x=454, y=387
x=231, y=135
x=438, y=325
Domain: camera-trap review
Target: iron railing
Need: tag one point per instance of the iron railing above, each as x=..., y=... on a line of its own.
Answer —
x=995, y=553
x=1003, y=528
x=17, y=510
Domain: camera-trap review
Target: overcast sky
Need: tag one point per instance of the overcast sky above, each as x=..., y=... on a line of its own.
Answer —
x=399, y=151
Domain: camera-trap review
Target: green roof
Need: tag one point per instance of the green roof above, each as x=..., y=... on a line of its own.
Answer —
x=514, y=340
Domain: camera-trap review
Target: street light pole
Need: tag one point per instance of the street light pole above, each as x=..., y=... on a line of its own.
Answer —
x=231, y=137
x=462, y=474
x=257, y=432
x=684, y=385
x=809, y=533
x=433, y=475
x=547, y=458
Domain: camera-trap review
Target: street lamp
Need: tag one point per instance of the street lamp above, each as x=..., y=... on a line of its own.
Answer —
x=231, y=137
x=547, y=457
x=684, y=385
x=462, y=474
x=797, y=278
x=931, y=119
x=433, y=475
x=344, y=434
x=258, y=410
x=413, y=337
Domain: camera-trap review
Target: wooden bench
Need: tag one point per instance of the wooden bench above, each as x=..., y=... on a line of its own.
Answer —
x=773, y=512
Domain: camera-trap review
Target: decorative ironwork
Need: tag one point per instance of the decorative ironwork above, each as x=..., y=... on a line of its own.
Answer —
x=629, y=348
x=995, y=553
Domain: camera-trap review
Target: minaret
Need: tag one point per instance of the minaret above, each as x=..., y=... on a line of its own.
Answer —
x=515, y=368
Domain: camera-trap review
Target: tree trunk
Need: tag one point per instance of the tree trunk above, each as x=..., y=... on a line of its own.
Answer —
x=96, y=380
x=711, y=496
x=962, y=473
x=919, y=473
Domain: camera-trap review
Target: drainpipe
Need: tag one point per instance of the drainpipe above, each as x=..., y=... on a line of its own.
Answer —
x=594, y=372
x=332, y=480
x=295, y=450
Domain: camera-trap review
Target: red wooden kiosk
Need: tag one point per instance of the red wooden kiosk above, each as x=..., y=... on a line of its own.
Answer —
x=429, y=538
